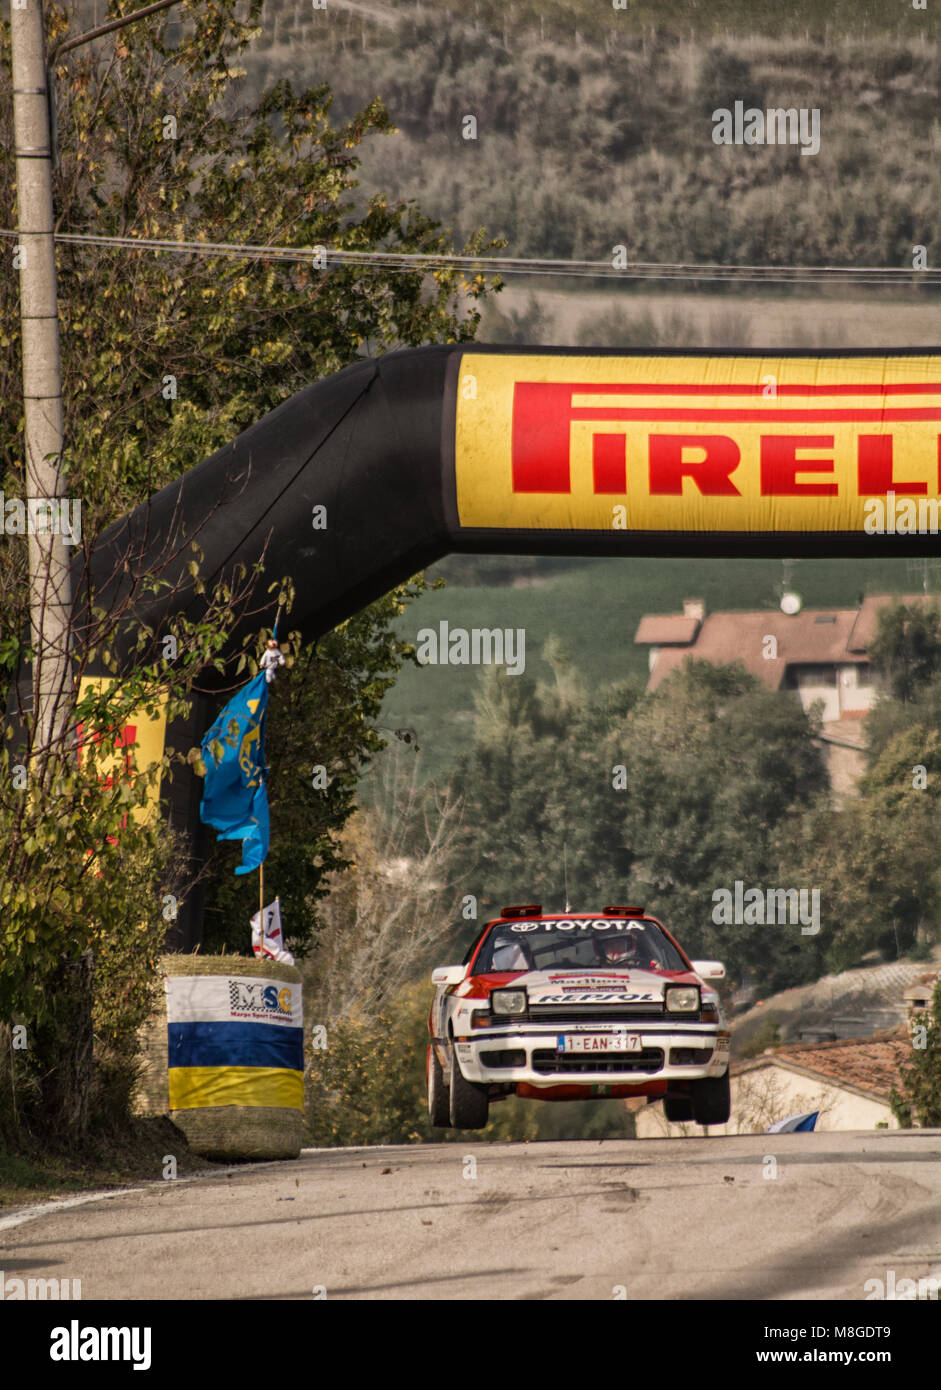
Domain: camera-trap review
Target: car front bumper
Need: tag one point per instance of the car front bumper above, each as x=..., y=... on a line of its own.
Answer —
x=530, y=1054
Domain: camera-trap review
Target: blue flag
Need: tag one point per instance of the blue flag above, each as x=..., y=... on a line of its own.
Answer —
x=795, y=1124
x=235, y=797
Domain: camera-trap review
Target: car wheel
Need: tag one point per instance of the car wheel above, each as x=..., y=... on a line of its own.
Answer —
x=439, y=1110
x=711, y=1098
x=470, y=1103
x=678, y=1109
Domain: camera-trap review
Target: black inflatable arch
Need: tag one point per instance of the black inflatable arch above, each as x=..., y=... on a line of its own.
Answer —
x=393, y=448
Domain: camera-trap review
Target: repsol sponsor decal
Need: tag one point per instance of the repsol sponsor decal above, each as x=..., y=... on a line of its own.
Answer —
x=719, y=444
x=597, y=996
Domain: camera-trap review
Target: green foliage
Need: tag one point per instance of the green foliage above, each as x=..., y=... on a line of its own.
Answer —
x=876, y=861
x=768, y=1035
x=368, y=1085
x=718, y=771
x=906, y=651
x=322, y=713
x=166, y=357
x=918, y=1100
x=595, y=125
x=239, y=335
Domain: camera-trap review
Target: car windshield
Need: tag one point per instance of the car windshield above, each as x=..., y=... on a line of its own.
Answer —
x=573, y=943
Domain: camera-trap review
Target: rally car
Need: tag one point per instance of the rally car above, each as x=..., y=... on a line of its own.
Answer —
x=570, y=1007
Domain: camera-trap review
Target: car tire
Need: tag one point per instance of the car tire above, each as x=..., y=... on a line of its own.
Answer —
x=439, y=1109
x=678, y=1109
x=711, y=1099
x=469, y=1103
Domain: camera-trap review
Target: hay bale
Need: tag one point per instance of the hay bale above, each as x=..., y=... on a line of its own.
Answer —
x=222, y=1132
x=226, y=1132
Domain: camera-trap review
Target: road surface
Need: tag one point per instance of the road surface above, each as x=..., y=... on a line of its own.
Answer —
x=756, y=1216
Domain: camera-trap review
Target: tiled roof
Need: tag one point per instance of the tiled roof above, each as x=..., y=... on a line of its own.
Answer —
x=867, y=621
x=801, y=640
x=867, y=1064
x=667, y=629
x=813, y=637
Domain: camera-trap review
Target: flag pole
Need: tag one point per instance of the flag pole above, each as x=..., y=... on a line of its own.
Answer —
x=261, y=906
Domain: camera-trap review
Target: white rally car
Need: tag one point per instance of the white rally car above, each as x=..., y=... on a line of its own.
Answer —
x=572, y=1007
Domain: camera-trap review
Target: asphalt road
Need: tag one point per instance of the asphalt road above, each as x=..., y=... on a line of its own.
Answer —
x=645, y=1219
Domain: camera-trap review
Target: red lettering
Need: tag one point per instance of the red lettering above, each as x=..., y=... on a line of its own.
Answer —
x=780, y=465
x=541, y=443
x=874, y=468
x=542, y=413
x=668, y=468
x=609, y=463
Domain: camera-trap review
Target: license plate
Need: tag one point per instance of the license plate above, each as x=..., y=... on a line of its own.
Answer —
x=599, y=1042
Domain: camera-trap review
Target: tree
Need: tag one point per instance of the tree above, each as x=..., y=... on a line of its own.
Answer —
x=655, y=800
x=720, y=773
x=165, y=358
x=540, y=815
x=906, y=651
x=918, y=1099
x=876, y=861
x=321, y=738
x=387, y=914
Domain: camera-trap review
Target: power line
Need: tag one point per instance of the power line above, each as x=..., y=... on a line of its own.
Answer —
x=412, y=262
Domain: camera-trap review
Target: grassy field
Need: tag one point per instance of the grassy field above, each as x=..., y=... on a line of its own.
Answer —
x=595, y=610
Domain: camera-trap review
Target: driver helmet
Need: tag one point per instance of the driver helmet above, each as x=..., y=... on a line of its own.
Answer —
x=621, y=948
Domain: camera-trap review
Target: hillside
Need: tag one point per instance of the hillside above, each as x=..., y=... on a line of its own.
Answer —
x=594, y=607
x=594, y=126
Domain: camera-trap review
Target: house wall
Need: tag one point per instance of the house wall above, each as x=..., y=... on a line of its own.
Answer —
x=847, y=694
x=829, y=694
x=767, y=1094
x=854, y=694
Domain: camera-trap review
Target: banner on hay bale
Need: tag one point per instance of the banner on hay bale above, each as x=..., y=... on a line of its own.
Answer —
x=234, y=1040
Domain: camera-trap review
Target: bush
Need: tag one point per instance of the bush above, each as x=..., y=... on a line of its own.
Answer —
x=368, y=1085
x=918, y=1101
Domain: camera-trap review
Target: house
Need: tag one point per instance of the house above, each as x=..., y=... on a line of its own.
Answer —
x=849, y=1082
x=821, y=654
x=919, y=996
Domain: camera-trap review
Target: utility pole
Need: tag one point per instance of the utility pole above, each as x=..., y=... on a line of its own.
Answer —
x=45, y=475
x=50, y=580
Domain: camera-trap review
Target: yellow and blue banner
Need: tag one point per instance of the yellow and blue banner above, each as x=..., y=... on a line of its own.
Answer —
x=235, y=797
x=234, y=1040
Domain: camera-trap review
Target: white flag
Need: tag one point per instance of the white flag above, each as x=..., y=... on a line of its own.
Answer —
x=273, y=946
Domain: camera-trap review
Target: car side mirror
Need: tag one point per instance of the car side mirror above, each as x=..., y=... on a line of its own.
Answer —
x=709, y=969
x=448, y=974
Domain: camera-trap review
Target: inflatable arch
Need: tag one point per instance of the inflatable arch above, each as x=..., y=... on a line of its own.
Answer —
x=365, y=477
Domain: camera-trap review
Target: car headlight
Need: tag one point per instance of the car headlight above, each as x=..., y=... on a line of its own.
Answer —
x=682, y=999
x=508, y=1001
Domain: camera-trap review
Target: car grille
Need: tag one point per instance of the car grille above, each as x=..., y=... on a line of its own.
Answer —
x=590, y=1013
x=549, y=1062
x=507, y=1057
x=690, y=1056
